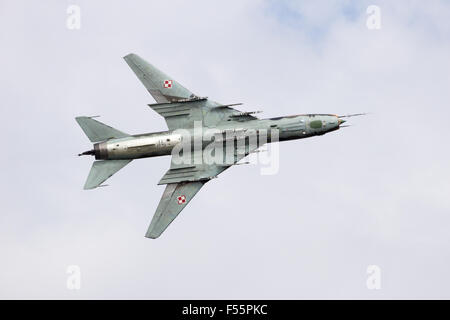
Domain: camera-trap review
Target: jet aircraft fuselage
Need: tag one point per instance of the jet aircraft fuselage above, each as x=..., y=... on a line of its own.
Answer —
x=162, y=143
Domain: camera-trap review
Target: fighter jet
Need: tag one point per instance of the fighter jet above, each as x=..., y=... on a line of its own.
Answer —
x=190, y=120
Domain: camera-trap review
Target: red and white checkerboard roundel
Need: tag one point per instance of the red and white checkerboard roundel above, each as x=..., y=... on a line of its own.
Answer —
x=181, y=199
x=167, y=83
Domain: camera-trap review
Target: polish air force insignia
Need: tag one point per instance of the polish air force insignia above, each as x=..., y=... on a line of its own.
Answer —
x=167, y=83
x=181, y=199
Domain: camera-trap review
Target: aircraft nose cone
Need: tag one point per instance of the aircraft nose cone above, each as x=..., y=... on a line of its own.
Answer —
x=340, y=121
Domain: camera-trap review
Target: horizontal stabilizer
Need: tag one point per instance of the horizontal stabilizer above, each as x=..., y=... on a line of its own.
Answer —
x=97, y=131
x=102, y=170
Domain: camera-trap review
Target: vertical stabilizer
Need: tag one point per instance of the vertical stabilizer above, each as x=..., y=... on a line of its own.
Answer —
x=97, y=131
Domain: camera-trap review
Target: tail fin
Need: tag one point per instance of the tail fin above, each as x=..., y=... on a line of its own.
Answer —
x=97, y=131
x=102, y=170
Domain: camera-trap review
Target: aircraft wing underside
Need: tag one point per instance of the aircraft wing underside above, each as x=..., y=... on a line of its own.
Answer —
x=179, y=106
x=183, y=183
x=162, y=87
x=175, y=197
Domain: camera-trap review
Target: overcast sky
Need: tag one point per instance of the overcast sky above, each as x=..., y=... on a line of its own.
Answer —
x=377, y=193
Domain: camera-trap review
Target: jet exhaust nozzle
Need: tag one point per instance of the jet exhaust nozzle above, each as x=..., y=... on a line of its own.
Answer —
x=87, y=153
